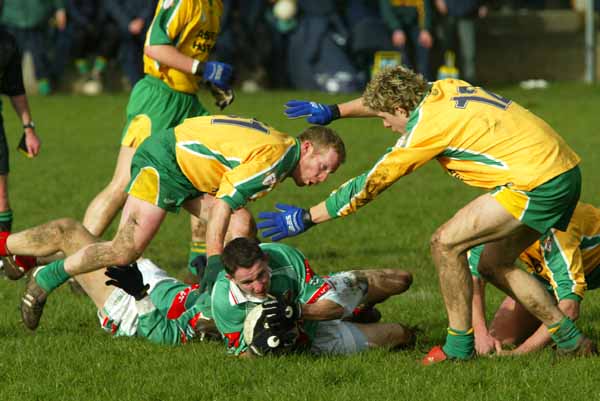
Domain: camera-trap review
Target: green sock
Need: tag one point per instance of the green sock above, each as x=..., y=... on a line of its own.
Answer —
x=99, y=64
x=82, y=66
x=197, y=248
x=52, y=275
x=460, y=344
x=6, y=220
x=564, y=333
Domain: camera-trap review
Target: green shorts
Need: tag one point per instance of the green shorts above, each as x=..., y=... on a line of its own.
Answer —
x=155, y=175
x=592, y=279
x=550, y=205
x=153, y=107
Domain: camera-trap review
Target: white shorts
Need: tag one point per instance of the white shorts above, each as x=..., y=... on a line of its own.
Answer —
x=338, y=337
x=119, y=315
x=346, y=290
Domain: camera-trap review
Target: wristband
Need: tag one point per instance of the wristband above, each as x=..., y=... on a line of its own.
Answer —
x=307, y=220
x=196, y=70
x=335, y=111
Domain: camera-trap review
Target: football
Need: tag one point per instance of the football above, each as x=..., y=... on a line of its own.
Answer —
x=262, y=340
x=284, y=9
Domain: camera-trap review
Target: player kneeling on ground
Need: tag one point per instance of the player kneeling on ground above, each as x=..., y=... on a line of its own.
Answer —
x=148, y=303
x=566, y=262
x=291, y=296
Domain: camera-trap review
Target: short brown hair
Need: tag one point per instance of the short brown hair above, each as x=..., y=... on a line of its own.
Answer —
x=395, y=87
x=324, y=138
x=241, y=252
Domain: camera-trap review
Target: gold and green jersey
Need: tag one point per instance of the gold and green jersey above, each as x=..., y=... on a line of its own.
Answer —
x=477, y=136
x=235, y=159
x=291, y=279
x=191, y=26
x=564, y=259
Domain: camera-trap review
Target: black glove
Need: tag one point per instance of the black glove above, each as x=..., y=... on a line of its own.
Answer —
x=223, y=96
x=199, y=262
x=129, y=279
x=213, y=267
x=281, y=315
x=269, y=341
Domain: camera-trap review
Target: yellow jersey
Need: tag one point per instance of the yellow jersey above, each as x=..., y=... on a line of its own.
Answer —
x=235, y=159
x=477, y=136
x=191, y=26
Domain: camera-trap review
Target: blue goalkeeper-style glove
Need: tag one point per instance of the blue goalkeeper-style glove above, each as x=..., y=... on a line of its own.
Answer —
x=218, y=73
x=288, y=222
x=316, y=113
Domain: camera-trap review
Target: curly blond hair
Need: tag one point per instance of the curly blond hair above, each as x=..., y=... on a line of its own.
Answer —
x=395, y=87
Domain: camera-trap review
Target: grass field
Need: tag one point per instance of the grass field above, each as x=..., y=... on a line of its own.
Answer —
x=71, y=358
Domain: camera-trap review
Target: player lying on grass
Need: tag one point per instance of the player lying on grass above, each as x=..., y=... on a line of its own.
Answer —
x=565, y=262
x=487, y=141
x=234, y=160
x=279, y=277
x=149, y=303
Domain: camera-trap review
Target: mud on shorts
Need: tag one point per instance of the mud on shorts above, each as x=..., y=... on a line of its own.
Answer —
x=348, y=289
x=119, y=315
x=155, y=175
x=153, y=106
x=550, y=205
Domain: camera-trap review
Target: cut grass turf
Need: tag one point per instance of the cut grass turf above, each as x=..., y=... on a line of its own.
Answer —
x=71, y=358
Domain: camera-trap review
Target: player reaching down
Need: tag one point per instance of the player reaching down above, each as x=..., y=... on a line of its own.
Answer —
x=176, y=66
x=211, y=166
x=486, y=141
x=279, y=278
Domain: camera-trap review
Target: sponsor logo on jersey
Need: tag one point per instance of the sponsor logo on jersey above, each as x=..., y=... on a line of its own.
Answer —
x=184, y=300
x=548, y=245
x=270, y=180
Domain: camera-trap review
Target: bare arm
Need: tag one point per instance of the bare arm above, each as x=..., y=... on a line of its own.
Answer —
x=21, y=107
x=319, y=214
x=170, y=56
x=355, y=108
x=322, y=310
x=540, y=338
x=216, y=230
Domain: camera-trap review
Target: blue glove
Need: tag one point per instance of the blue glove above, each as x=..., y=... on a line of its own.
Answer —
x=316, y=113
x=218, y=73
x=288, y=222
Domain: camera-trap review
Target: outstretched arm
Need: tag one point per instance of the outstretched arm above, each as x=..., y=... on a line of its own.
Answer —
x=323, y=114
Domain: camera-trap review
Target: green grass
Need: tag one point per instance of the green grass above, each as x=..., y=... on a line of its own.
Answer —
x=70, y=358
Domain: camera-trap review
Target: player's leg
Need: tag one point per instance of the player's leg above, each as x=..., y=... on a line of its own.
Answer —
x=481, y=221
x=5, y=212
x=103, y=209
x=197, y=247
x=139, y=223
x=512, y=323
x=383, y=283
x=387, y=334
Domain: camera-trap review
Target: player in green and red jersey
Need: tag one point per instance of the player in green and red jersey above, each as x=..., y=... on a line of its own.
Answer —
x=257, y=272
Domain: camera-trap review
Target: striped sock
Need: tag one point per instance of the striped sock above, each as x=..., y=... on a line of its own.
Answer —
x=197, y=248
x=460, y=344
x=6, y=219
x=564, y=333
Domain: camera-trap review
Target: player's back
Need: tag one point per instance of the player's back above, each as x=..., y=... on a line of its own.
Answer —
x=490, y=140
